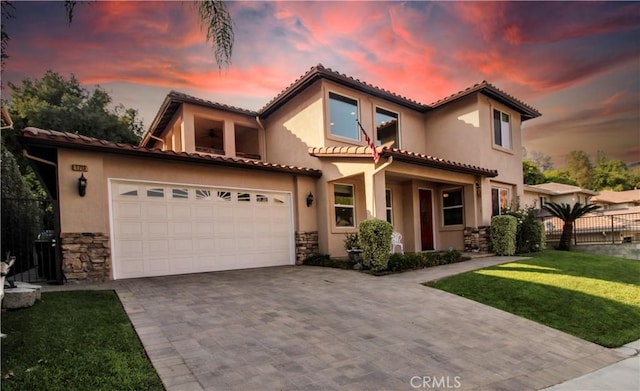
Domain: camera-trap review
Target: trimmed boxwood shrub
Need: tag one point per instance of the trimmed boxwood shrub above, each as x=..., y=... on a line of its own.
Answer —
x=503, y=234
x=375, y=240
x=326, y=261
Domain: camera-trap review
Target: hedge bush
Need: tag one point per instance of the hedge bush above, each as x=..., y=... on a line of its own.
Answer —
x=325, y=261
x=375, y=240
x=530, y=235
x=503, y=234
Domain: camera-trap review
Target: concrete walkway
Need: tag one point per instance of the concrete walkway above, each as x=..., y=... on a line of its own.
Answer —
x=318, y=328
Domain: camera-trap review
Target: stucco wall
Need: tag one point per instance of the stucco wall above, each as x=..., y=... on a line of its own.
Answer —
x=91, y=213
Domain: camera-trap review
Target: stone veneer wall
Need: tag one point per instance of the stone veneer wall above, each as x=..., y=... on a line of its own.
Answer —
x=306, y=244
x=477, y=239
x=86, y=256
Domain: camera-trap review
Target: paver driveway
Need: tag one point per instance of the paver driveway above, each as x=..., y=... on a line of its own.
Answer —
x=305, y=328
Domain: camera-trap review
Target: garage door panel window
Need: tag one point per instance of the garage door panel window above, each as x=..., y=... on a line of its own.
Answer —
x=223, y=196
x=127, y=190
x=180, y=194
x=155, y=192
x=203, y=195
x=244, y=197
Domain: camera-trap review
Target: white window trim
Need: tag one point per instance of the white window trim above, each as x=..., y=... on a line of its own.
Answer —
x=337, y=137
x=499, y=188
x=493, y=134
x=353, y=207
x=443, y=208
x=375, y=112
x=389, y=208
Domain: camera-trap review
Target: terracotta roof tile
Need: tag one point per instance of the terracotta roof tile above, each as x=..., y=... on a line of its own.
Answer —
x=54, y=138
x=402, y=155
x=493, y=91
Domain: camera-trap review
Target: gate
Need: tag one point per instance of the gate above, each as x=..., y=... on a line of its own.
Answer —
x=29, y=234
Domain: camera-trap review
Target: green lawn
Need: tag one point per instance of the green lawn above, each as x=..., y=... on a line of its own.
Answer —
x=594, y=297
x=80, y=340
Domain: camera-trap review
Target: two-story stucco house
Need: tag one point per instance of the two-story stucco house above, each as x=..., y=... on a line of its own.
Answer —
x=215, y=187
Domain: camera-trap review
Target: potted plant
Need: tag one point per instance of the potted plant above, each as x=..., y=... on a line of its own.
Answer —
x=352, y=245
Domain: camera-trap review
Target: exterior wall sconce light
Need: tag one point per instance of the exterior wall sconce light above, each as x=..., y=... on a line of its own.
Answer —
x=478, y=189
x=82, y=185
x=309, y=199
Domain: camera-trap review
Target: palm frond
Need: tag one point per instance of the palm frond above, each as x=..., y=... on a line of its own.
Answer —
x=566, y=212
x=215, y=17
x=69, y=5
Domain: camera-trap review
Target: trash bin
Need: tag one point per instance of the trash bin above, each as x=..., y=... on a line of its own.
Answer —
x=46, y=252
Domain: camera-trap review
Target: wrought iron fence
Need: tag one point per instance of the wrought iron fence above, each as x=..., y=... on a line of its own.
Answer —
x=28, y=234
x=598, y=228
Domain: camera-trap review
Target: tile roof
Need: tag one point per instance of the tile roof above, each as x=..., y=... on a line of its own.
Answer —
x=492, y=91
x=54, y=138
x=404, y=156
x=172, y=103
x=559, y=189
x=617, y=197
x=320, y=72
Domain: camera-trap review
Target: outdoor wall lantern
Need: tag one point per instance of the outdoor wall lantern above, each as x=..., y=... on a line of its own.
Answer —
x=478, y=189
x=82, y=185
x=309, y=199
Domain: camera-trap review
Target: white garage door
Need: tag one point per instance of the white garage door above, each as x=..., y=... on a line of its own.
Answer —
x=163, y=229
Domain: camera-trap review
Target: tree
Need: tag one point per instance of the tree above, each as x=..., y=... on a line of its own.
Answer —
x=579, y=167
x=568, y=215
x=531, y=173
x=213, y=15
x=610, y=174
x=543, y=161
x=54, y=102
x=559, y=176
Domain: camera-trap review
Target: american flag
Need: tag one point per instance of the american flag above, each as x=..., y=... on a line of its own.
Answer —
x=374, y=151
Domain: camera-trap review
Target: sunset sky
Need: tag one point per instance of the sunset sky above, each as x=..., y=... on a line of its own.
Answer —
x=577, y=63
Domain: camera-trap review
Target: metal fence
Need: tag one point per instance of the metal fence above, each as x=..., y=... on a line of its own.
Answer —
x=598, y=228
x=28, y=234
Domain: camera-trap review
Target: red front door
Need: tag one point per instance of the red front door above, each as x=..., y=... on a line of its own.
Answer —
x=426, y=219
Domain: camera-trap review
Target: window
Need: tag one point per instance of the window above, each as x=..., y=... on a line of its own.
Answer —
x=156, y=192
x=344, y=205
x=244, y=197
x=181, y=194
x=452, y=209
x=388, y=204
x=343, y=113
x=499, y=200
x=262, y=198
x=387, y=127
x=224, y=196
x=501, y=129
x=202, y=194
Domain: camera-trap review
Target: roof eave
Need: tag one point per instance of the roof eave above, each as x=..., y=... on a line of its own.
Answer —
x=158, y=154
x=398, y=156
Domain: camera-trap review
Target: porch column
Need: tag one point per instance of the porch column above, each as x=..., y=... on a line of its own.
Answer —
x=229, y=138
x=374, y=186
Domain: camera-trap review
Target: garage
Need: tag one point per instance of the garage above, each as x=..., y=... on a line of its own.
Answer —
x=164, y=229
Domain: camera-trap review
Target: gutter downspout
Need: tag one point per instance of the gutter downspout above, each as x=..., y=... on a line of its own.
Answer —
x=37, y=159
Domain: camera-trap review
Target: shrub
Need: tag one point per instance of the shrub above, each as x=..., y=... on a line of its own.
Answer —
x=351, y=241
x=325, y=261
x=530, y=236
x=375, y=241
x=408, y=261
x=503, y=234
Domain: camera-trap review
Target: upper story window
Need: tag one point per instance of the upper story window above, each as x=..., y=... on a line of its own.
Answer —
x=387, y=128
x=343, y=113
x=452, y=207
x=344, y=205
x=501, y=129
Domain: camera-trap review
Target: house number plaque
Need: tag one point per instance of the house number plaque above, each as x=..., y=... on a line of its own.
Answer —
x=79, y=167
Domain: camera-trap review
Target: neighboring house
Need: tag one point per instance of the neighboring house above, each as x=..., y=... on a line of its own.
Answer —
x=537, y=195
x=609, y=199
x=215, y=187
